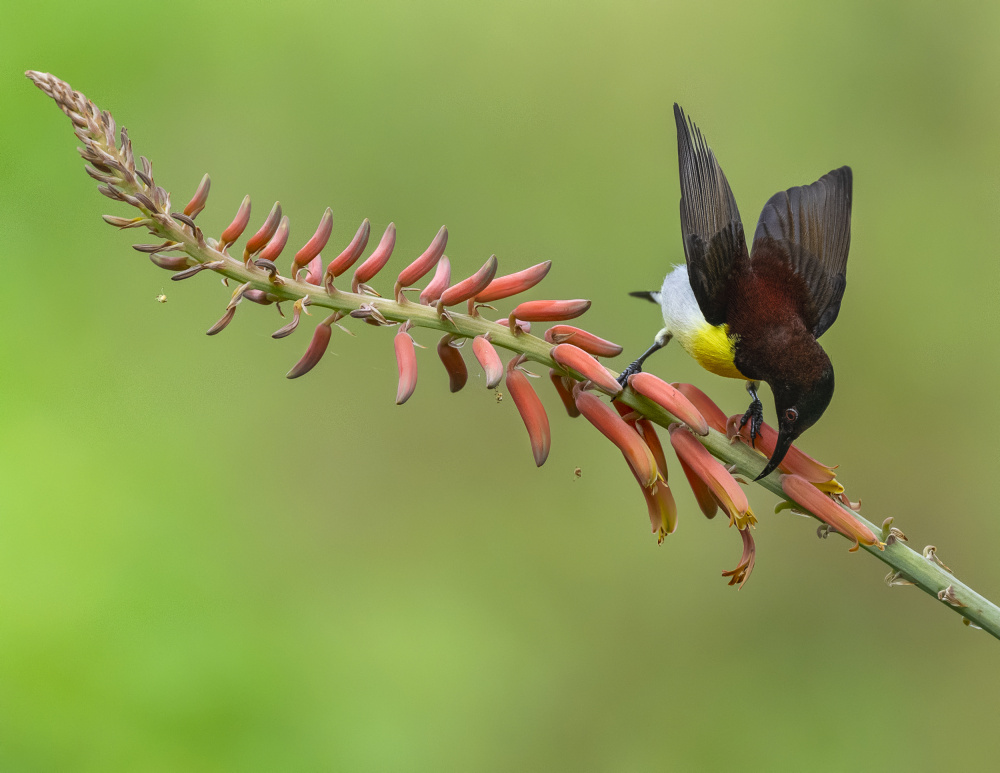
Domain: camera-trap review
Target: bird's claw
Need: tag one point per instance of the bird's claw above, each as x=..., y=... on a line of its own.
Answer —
x=754, y=415
x=631, y=370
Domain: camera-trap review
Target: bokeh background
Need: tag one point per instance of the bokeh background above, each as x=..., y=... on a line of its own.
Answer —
x=206, y=567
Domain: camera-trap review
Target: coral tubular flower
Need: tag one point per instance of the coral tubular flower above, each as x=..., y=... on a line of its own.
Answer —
x=706, y=502
x=742, y=571
x=591, y=344
x=808, y=497
x=351, y=253
x=377, y=260
x=712, y=413
x=795, y=462
x=488, y=358
x=469, y=288
x=454, y=363
x=577, y=359
x=200, y=198
x=565, y=392
x=406, y=361
x=536, y=421
x=721, y=484
x=662, y=509
x=314, y=352
x=647, y=430
x=314, y=271
x=221, y=325
x=548, y=311
x=512, y=284
x=670, y=399
x=611, y=425
x=437, y=285
x=274, y=247
x=418, y=268
x=264, y=233
x=312, y=248
x=236, y=228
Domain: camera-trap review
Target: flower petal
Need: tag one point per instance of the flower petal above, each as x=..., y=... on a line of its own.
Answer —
x=315, y=351
x=406, y=362
x=670, y=399
x=549, y=311
x=611, y=425
x=418, y=268
x=451, y=358
x=315, y=245
x=565, y=392
x=721, y=484
x=808, y=497
x=559, y=334
x=577, y=359
x=712, y=413
x=351, y=252
x=531, y=410
x=236, y=228
x=488, y=359
x=437, y=285
x=468, y=288
x=377, y=260
x=795, y=462
x=512, y=284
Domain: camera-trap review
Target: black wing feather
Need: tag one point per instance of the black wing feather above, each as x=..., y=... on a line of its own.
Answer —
x=810, y=227
x=710, y=221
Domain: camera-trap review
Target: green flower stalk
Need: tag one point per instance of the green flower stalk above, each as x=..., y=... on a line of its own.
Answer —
x=711, y=448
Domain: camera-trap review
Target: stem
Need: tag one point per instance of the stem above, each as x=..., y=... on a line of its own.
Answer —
x=117, y=170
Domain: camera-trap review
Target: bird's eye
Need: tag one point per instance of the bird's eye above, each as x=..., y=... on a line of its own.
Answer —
x=791, y=414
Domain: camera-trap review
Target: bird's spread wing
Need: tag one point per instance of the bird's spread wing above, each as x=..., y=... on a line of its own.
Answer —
x=809, y=227
x=710, y=222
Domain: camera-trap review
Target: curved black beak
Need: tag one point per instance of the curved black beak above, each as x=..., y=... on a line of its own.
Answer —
x=780, y=449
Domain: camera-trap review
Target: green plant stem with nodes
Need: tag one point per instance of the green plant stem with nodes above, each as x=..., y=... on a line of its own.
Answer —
x=115, y=168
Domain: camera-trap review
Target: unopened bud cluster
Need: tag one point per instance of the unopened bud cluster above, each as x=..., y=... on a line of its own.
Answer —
x=454, y=308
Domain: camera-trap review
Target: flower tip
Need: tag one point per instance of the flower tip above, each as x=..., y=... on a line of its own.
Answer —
x=536, y=421
x=406, y=362
x=576, y=359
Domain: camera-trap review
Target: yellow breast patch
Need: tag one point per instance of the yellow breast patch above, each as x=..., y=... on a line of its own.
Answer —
x=714, y=349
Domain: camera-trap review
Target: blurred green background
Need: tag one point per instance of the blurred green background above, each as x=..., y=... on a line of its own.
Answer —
x=206, y=567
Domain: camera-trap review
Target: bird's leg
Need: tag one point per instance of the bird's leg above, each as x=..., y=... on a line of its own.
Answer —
x=661, y=340
x=754, y=414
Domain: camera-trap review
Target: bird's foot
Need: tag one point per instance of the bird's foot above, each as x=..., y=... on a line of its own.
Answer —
x=754, y=415
x=631, y=370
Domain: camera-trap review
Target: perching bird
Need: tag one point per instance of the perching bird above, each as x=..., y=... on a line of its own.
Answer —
x=756, y=315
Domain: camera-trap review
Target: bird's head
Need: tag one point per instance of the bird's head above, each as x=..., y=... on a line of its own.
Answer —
x=799, y=404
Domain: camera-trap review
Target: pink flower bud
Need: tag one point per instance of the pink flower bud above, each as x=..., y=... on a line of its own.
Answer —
x=564, y=388
x=315, y=245
x=264, y=234
x=512, y=284
x=709, y=410
x=314, y=353
x=469, y=288
x=377, y=260
x=559, y=334
x=531, y=410
x=488, y=358
x=576, y=359
x=236, y=228
x=406, y=361
x=451, y=358
x=549, y=311
x=724, y=488
x=437, y=285
x=200, y=198
x=416, y=270
x=611, y=425
x=808, y=497
x=170, y=263
x=277, y=243
x=670, y=399
x=351, y=253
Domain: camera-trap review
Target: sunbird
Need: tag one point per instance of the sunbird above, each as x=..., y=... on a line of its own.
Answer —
x=757, y=314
